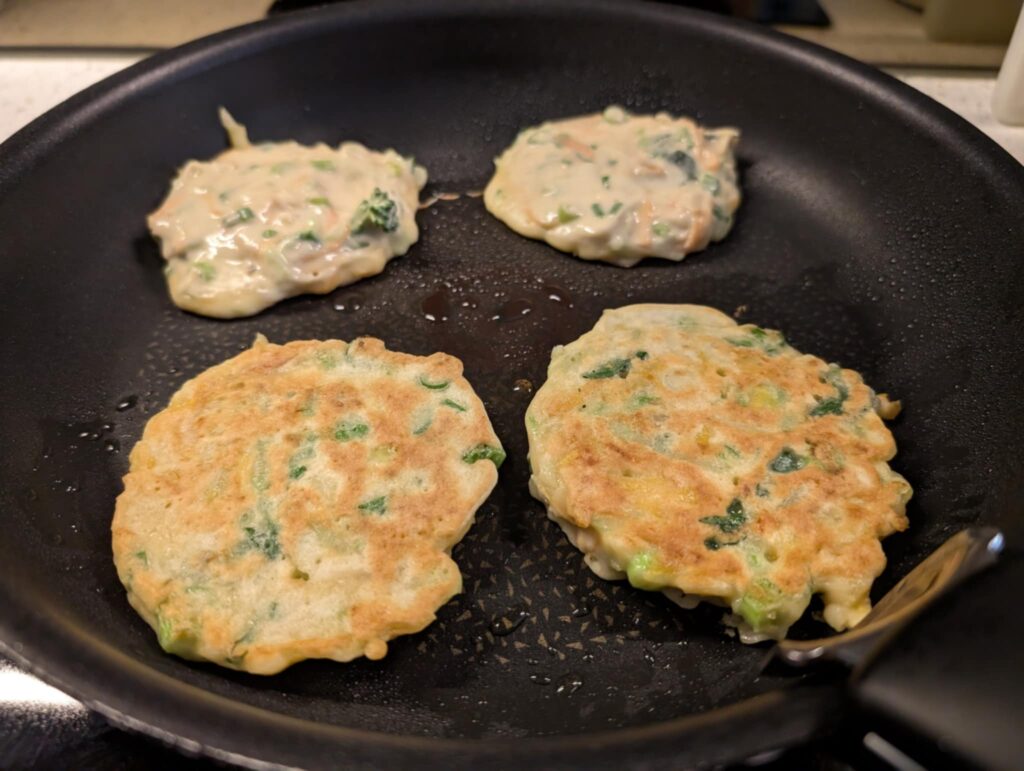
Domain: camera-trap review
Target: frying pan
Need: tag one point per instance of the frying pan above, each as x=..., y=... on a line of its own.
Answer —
x=878, y=230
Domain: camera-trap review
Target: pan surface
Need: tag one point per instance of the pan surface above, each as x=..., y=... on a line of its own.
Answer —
x=878, y=230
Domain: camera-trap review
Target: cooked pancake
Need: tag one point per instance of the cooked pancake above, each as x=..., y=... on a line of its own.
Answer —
x=618, y=187
x=263, y=222
x=713, y=461
x=301, y=501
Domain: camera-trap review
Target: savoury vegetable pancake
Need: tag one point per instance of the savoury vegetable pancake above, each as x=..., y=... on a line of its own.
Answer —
x=301, y=500
x=618, y=187
x=713, y=461
x=260, y=223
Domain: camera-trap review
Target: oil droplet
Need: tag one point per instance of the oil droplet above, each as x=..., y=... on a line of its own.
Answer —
x=112, y=445
x=353, y=303
x=512, y=310
x=509, y=622
x=569, y=684
x=556, y=294
x=522, y=386
x=581, y=610
x=540, y=679
x=127, y=403
x=436, y=307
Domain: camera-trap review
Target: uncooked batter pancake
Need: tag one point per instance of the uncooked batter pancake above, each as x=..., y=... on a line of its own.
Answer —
x=260, y=223
x=618, y=187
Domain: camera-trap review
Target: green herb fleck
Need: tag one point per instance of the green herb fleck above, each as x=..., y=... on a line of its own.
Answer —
x=378, y=505
x=260, y=472
x=720, y=214
x=454, y=405
x=831, y=405
x=761, y=491
x=735, y=517
x=305, y=452
x=684, y=161
x=597, y=209
x=661, y=229
x=615, y=207
x=308, y=408
x=434, y=385
x=206, y=270
x=270, y=233
x=242, y=215
x=263, y=539
x=378, y=212
x=614, y=367
x=787, y=461
x=142, y=557
x=164, y=631
x=422, y=427
x=326, y=359
x=309, y=237
x=610, y=368
x=319, y=201
x=566, y=215
x=606, y=182
x=710, y=183
x=495, y=455
x=347, y=430
x=643, y=399
x=771, y=342
x=324, y=165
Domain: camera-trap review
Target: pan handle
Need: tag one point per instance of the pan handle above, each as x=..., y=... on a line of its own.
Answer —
x=963, y=555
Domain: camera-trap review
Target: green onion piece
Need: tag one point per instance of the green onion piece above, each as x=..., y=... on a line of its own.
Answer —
x=347, y=430
x=787, y=461
x=495, y=455
x=454, y=405
x=242, y=215
x=378, y=505
x=206, y=270
x=434, y=385
x=565, y=215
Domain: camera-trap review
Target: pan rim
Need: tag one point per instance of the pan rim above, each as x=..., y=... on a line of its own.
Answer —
x=92, y=675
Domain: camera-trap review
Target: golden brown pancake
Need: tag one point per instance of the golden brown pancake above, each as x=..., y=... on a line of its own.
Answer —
x=301, y=501
x=713, y=461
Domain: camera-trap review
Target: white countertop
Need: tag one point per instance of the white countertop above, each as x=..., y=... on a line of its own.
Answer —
x=33, y=82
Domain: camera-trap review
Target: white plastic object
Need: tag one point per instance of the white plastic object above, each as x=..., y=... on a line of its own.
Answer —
x=1008, y=98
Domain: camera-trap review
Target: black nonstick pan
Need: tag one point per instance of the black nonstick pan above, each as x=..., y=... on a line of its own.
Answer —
x=878, y=230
